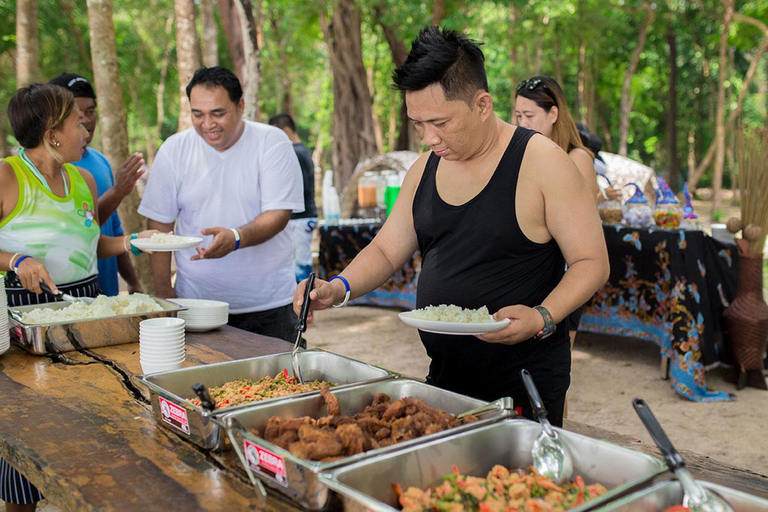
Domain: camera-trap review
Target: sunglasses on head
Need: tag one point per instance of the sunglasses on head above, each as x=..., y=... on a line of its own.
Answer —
x=530, y=84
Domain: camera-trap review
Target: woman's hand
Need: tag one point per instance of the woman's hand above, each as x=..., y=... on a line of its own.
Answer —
x=613, y=193
x=524, y=322
x=31, y=272
x=322, y=297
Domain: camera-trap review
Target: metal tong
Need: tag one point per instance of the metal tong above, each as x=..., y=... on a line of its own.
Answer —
x=64, y=296
x=301, y=328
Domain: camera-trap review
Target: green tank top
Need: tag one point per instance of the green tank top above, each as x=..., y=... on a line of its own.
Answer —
x=61, y=232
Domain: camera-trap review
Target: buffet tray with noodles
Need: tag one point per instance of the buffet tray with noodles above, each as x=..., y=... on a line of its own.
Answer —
x=176, y=407
x=349, y=425
x=668, y=497
x=373, y=484
x=63, y=327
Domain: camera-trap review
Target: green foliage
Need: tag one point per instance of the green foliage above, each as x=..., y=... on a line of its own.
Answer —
x=718, y=216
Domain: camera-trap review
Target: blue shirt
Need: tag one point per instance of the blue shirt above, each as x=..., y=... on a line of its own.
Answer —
x=98, y=165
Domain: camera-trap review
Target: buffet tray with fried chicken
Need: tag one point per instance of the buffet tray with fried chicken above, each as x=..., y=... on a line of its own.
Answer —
x=287, y=444
x=373, y=484
x=175, y=405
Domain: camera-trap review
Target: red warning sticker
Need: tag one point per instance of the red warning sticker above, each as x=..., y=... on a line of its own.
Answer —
x=265, y=463
x=174, y=415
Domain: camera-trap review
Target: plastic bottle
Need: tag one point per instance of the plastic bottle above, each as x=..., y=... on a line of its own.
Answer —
x=391, y=192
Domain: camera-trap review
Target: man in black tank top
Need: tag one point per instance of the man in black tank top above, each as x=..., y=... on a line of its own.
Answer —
x=496, y=211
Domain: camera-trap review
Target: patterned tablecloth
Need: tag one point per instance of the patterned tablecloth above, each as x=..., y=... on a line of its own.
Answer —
x=668, y=287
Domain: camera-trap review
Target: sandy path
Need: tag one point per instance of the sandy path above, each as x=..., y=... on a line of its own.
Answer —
x=608, y=372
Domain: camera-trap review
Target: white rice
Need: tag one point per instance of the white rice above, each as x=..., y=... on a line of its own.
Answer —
x=455, y=314
x=165, y=238
x=102, y=307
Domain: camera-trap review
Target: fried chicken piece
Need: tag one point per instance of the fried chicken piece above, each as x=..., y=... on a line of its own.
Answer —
x=334, y=421
x=352, y=439
x=281, y=428
x=316, y=444
x=331, y=402
x=395, y=410
x=382, y=433
x=380, y=398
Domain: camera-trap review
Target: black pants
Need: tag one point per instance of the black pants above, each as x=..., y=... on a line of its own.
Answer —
x=277, y=323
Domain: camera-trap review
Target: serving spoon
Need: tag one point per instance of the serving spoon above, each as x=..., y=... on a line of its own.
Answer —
x=551, y=457
x=301, y=328
x=65, y=296
x=695, y=497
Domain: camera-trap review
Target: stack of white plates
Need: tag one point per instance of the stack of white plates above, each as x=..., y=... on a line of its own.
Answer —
x=5, y=333
x=203, y=315
x=161, y=344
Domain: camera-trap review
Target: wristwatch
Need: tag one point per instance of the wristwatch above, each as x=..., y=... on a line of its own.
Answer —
x=549, y=324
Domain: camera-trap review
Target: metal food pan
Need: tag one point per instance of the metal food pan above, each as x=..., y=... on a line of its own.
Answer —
x=169, y=390
x=367, y=485
x=69, y=335
x=298, y=478
x=663, y=495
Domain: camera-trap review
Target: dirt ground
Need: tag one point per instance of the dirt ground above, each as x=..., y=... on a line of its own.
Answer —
x=608, y=372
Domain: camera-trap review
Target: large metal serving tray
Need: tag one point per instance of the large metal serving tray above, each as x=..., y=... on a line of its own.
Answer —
x=298, y=478
x=66, y=336
x=367, y=485
x=169, y=390
x=663, y=495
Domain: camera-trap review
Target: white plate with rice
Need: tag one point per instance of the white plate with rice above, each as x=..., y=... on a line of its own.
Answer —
x=163, y=242
x=445, y=319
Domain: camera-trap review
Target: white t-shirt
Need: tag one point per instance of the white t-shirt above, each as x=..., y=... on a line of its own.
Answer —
x=198, y=187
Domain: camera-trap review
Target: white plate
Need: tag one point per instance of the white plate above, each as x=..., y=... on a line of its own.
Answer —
x=145, y=245
x=451, y=327
x=205, y=327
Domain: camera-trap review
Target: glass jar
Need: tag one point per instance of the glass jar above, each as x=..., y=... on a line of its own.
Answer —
x=366, y=190
x=610, y=211
x=668, y=213
x=637, y=211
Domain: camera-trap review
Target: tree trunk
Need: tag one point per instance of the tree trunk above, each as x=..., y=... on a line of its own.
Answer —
x=249, y=29
x=66, y=6
x=717, y=171
x=210, y=34
x=558, y=61
x=626, y=103
x=513, y=57
x=230, y=22
x=187, y=56
x=27, y=61
x=696, y=174
x=112, y=119
x=407, y=139
x=674, y=160
x=353, y=131
x=438, y=10
x=4, y=149
x=160, y=98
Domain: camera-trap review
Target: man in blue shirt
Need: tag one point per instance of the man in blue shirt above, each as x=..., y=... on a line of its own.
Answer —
x=112, y=189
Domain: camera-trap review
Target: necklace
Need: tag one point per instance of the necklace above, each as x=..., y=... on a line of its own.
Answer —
x=39, y=175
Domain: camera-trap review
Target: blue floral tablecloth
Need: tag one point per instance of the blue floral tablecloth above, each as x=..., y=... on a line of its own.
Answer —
x=671, y=288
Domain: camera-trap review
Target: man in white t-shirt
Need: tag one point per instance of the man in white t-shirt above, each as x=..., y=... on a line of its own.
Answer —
x=236, y=182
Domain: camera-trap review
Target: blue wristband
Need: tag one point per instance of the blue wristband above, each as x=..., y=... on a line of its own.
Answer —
x=22, y=258
x=135, y=250
x=346, y=287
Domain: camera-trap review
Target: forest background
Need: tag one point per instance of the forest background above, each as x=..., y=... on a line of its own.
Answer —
x=668, y=83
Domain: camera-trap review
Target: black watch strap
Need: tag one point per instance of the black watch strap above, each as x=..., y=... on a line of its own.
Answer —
x=549, y=323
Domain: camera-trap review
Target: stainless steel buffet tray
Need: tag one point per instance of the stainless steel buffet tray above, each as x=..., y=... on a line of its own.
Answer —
x=169, y=390
x=367, y=485
x=663, y=495
x=71, y=335
x=298, y=478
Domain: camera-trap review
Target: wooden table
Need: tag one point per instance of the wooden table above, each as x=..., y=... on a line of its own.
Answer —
x=83, y=432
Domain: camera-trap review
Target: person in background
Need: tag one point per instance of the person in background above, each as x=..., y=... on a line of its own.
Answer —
x=496, y=211
x=49, y=223
x=302, y=225
x=236, y=182
x=112, y=189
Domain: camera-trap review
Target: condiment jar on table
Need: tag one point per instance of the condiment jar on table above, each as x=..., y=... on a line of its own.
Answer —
x=610, y=210
x=668, y=213
x=637, y=211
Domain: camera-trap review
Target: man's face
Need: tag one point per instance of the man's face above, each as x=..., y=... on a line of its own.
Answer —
x=88, y=107
x=448, y=127
x=216, y=118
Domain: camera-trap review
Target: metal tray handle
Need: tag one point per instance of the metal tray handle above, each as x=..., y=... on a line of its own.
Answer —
x=232, y=425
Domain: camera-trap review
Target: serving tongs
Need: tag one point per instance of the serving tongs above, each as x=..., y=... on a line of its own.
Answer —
x=551, y=457
x=695, y=497
x=209, y=405
x=65, y=296
x=301, y=328
x=502, y=404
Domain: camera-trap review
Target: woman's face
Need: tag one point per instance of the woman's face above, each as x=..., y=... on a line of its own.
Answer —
x=529, y=115
x=72, y=136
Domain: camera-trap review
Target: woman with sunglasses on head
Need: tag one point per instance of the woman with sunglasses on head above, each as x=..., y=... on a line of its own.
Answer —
x=49, y=229
x=540, y=105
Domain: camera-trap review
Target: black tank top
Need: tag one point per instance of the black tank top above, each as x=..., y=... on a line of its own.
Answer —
x=476, y=255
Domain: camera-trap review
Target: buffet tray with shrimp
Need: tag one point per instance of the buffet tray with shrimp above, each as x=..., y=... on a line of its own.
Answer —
x=62, y=326
x=446, y=474
x=235, y=385
x=287, y=444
